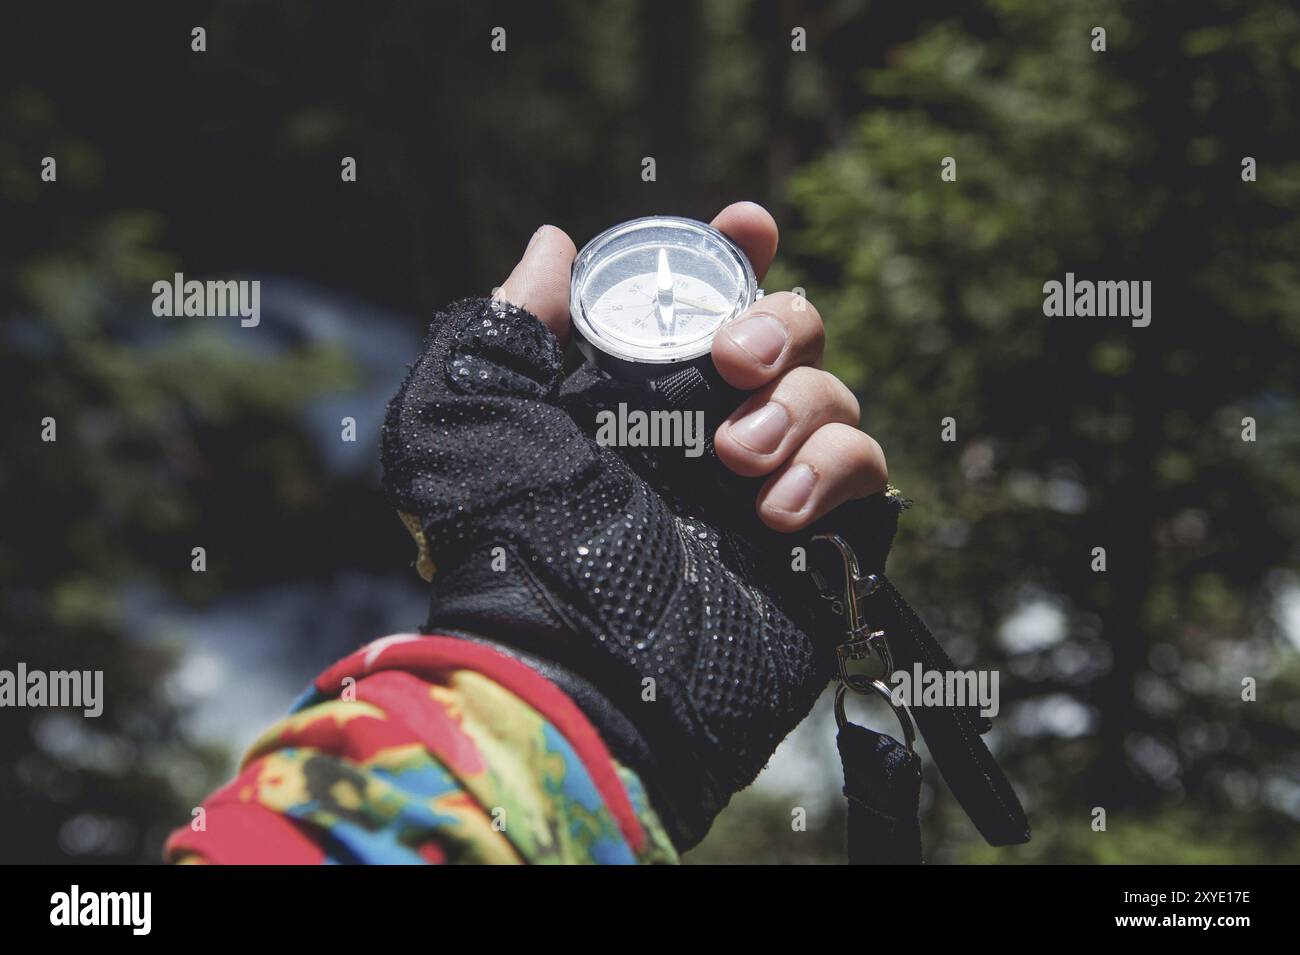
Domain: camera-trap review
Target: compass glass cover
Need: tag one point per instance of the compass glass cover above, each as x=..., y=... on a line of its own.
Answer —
x=658, y=289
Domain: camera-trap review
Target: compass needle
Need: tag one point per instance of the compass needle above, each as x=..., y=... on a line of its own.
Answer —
x=667, y=302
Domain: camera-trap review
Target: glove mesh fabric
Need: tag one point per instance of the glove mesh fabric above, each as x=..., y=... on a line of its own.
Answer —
x=622, y=564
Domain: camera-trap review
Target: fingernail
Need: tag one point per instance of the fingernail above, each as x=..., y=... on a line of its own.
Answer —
x=791, y=493
x=533, y=241
x=761, y=431
x=761, y=335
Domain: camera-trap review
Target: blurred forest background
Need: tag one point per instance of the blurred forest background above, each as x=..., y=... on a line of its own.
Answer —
x=1120, y=689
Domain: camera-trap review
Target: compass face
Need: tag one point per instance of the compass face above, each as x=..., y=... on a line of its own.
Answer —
x=656, y=290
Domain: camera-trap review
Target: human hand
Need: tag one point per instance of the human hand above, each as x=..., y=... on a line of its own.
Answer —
x=624, y=568
x=798, y=429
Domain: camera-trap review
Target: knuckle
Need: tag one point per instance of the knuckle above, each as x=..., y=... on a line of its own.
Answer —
x=811, y=328
x=861, y=457
x=844, y=398
x=874, y=468
x=803, y=386
x=800, y=315
x=814, y=397
x=828, y=398
x=800, y=305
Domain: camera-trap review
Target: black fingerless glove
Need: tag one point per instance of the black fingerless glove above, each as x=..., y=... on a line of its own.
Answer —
x=643, y=572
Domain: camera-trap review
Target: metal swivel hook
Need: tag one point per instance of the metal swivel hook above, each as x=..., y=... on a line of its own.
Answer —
x=860, y=643
x=856, y=586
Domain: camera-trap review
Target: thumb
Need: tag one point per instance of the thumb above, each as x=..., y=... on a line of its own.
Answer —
x=540, y=282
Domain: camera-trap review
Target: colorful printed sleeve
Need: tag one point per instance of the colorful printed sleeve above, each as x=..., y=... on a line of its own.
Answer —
x=427, y=749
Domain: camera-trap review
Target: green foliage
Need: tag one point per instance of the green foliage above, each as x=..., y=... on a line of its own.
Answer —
x=1121, y=165
x=112, y=502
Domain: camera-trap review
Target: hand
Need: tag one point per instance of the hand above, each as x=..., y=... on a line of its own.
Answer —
x=799, y=429
x=621, y=568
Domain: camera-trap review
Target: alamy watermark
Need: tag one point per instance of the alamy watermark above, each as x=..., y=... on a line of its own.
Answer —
x=946, y=688
x=177, y=297
x=58, y=688
x=74, y=907
x=1084, y=298
x=651, y=429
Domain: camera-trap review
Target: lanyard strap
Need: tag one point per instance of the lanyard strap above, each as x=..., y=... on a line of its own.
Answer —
x=882, y=776
x=882, y=782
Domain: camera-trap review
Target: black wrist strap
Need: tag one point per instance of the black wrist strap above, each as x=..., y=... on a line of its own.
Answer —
x=881, y=776
x=952, y=733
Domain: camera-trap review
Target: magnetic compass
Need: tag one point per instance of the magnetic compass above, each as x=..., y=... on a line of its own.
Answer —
x=647, y=296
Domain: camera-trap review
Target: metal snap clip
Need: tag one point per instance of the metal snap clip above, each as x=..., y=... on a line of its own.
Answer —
x=860, y=642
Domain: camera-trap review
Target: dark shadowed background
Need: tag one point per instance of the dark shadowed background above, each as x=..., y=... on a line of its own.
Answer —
x=1120, y=689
